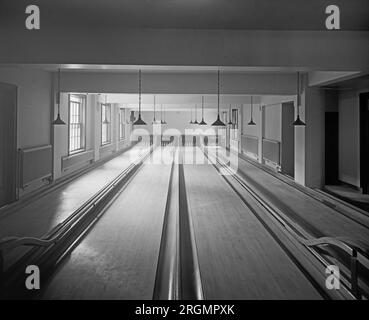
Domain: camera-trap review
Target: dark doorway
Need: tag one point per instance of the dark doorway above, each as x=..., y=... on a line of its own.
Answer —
x=288, y=140
x=331, y=148
x=364, y=142
x=8, y=143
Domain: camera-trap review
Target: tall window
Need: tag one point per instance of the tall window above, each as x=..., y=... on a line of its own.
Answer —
x=105, y=124
x=234, y=123
x=122, y=122
x=77, y=123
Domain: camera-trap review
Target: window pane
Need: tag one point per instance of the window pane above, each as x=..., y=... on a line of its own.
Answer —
x=76, y=122
x=105, y=123
x=122, y=121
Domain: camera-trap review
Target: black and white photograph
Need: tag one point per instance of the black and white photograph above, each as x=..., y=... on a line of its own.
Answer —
x=183, y=156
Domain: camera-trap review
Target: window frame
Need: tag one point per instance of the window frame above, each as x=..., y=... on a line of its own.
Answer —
x=122, y=124
x=83, y=111
x=109, y=135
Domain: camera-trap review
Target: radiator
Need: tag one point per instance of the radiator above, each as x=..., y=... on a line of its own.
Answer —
x=35, y=164
x=271, y=151
x=250, y=144
x=71, y=161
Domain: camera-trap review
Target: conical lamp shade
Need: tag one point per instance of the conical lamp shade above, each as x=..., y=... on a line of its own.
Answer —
x=252, y=123
x=139, y=121
x=298, y=122
x=230, y=122
x=195, y=122
x=58, y=121
x=218, y=123
x=202, y=123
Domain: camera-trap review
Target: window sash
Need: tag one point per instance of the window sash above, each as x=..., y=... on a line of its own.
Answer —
x=76, y=130
x=122, y=124
x=105, y=127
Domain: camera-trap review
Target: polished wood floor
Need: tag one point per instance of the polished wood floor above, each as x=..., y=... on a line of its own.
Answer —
x=118, y=258
x=238, y=258
x=44, y=213
x=314, y=216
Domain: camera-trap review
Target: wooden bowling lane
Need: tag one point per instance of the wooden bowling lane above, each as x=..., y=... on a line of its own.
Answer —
x=118, y=257
x=42, y=214
x=317, y=218
x=238, y=258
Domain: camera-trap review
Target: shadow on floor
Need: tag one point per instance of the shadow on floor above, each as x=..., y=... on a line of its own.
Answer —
x=349, y=194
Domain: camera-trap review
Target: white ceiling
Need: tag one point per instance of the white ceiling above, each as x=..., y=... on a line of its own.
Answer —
x=190, y=14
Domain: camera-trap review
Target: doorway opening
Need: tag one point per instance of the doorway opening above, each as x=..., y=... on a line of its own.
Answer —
x=288, y=140
x=8, y=143
x=364, y=142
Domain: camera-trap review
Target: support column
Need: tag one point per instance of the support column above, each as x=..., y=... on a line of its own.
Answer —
x=96, y=108
x=261, y=132
x=309, y=139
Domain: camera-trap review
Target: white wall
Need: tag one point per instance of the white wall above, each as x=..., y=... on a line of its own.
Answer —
x=179, y=119
x=273, y=122
x=34, y=104
x=349, y=138
x=251, y=130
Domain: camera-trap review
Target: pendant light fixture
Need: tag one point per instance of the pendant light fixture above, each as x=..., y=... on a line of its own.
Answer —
x=191, y=122
x=106, y=116
x=252, y=123
x=218, y=122
x=195, y=115
x=202, y=123
x=298, y=121
x=58, y=120
x=154, y=120
x=230, y=115
x=139, y=121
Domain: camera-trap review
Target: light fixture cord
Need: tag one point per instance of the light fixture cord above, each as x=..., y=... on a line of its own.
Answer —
x=252, y=109
x=154, y=106
x=298, y=94
x=58, y=95
x=218, y=90
x=139, y=92
x=202, y=107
